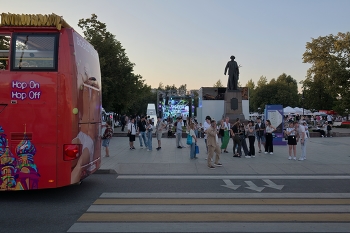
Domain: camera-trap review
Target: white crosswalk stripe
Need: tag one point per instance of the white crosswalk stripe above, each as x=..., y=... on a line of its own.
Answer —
x=217, y=212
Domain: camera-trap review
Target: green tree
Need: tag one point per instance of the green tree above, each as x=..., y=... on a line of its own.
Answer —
x=122, y=90
x=262, y=81
x=330, y=68
x=283, y=90
x=182, y=90
x=218, y=84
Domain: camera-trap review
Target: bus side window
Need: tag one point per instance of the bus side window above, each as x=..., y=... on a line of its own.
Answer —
x=4, y=51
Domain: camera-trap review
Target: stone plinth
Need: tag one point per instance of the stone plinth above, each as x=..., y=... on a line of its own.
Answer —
x=233, y=105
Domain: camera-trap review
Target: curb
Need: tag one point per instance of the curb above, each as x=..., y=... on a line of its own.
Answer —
x=105, y=171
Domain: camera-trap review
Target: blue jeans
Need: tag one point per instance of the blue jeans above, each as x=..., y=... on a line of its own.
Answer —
x=149, y=142
x=193, y=151
x=142, y=136
x=303, y=149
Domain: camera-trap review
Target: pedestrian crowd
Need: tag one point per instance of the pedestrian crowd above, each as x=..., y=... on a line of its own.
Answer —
x=217, y=136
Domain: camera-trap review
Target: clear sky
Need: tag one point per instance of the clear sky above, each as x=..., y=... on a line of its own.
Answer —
x=190, y=41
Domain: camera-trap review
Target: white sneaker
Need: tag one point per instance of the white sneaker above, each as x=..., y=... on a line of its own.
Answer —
x=271, y=153
x=148, y=150
x=290, y=157
x=247, y=157
x=301, y=159
x=295, y=158
x=253, y=156
x=265, y=152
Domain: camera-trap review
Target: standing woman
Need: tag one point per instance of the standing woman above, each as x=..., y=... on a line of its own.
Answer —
x=194, y=142
x=222, y=132
x=235, y=133
x=250, y=130
x=149, y=130
x=243, y=140
x=107, y=135
x=269, y=145
x=292, y=140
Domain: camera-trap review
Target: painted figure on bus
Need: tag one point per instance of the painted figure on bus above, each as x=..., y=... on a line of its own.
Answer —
x=28, y=172
x=18, y=172
x=89, y=97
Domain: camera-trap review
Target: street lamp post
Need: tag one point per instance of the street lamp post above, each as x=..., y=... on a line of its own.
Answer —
x=303, y=97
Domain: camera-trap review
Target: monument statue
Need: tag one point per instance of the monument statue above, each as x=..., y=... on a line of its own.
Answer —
x=233, y=73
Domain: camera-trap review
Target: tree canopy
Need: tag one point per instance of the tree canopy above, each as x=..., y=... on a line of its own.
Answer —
x=218, y=84
x=283, y=90
x=328, y=79
x=122, y=90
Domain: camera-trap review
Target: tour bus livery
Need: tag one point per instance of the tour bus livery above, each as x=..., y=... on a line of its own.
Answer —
x=50, y=103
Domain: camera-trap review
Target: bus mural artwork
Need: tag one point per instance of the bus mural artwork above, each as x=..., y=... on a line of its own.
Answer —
x=18, y=172
x=50, y=103
x=88, y=83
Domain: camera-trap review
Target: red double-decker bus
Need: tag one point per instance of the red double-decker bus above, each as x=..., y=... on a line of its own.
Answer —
x=50, y=104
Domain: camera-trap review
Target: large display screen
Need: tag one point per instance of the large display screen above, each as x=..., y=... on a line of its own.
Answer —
x=175, y=106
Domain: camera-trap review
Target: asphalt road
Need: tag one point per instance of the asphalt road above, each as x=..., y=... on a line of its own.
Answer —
x=51, y=210
x=56, y=210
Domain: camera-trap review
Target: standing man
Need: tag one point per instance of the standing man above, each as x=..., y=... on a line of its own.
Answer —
x=179, y=133
x=233, y=74
x=206, y=126
x=260, y=133
x=141, y=129
x=329, y=119
x=132, y=133
x=303, y=140
x=122, y=119
x=213, y=145
x=184, y=119
x=159, y=131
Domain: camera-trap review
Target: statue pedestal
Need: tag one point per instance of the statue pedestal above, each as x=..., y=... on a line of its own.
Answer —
x=233, y=105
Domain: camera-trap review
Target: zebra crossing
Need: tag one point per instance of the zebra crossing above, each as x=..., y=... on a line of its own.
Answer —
x=217, y=212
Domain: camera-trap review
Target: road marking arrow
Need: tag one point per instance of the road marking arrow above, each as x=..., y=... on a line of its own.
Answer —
x=230, y=185
x=270, y=184
x=252, y=186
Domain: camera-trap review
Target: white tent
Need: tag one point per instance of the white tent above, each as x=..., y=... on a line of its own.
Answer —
x=254, y=114
x=319, y=114
x=298, y=110
x=288, y=110
x=307, y=112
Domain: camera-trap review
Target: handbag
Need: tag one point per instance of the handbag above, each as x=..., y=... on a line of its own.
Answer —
x=197, y=149
x=129, y=134
x=189, y=139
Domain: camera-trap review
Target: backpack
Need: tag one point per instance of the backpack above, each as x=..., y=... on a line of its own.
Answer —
x=108, y=133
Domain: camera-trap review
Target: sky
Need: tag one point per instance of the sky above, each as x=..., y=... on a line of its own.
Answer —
x=190, y=41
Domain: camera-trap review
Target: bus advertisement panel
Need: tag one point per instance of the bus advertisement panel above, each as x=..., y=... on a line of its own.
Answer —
x=89, y=108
